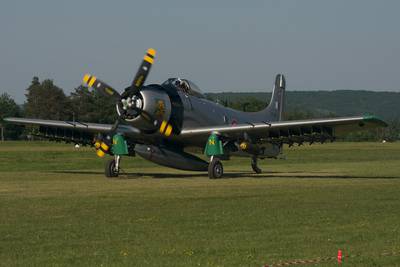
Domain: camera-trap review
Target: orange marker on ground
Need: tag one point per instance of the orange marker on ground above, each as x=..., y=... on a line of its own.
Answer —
x=339, y=256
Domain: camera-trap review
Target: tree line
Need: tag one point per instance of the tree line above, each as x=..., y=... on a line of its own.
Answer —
x=45, y=100
x=249, y=103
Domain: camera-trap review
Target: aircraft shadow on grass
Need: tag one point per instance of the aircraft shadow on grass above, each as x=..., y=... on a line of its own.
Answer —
x=231, y=175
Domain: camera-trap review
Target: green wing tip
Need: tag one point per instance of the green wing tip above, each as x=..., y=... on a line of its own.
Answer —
x=373, y=118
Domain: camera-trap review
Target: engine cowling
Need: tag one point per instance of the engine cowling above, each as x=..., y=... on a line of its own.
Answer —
x=146, y=109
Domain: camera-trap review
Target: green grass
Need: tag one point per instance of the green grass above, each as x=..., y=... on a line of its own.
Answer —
x=56, y=208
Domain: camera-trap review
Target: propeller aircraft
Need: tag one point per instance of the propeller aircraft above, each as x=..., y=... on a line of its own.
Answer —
x=160, y=121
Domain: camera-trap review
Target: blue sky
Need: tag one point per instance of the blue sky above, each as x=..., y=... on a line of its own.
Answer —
x=220, y=45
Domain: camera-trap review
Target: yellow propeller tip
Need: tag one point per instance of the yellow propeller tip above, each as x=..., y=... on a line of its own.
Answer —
x=151, y=52
x=86, y=78
x=168, y=131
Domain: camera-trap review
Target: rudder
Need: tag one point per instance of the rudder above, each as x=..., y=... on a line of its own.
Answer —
x=274, y=111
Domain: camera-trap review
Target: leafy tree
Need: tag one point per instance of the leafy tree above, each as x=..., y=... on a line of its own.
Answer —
x=298, y=114
x=8, y=108
x=90, y=106
x=46, y=101
x=392, y=132
x=82, y=104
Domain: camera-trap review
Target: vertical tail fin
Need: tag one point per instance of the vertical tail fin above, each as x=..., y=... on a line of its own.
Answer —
x=274, y=111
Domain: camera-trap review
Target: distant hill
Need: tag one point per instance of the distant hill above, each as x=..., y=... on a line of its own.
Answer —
x=386, y=105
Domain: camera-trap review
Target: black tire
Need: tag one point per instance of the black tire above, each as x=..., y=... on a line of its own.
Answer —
x=254, y=165
x=110, y=170
x=215, y=169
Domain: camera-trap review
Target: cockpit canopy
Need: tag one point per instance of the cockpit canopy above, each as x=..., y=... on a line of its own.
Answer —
x=185, y=86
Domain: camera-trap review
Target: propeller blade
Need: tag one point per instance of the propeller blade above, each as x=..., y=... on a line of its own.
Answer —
x=143, y=71
x=102, y=87
x=166, y=128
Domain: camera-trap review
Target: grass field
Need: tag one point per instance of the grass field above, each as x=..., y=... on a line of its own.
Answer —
x=57, y=208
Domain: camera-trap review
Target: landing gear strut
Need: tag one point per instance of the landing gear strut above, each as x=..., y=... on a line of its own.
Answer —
x=254, y=165
x=215, y=168
x=112, y=167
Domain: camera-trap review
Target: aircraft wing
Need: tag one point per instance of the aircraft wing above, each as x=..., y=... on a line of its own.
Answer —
x=297, y=131
x=73, y=131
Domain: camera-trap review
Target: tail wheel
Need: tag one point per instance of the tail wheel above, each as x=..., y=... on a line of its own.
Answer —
x=256, y=169
x=215, y=169
x=110, y=170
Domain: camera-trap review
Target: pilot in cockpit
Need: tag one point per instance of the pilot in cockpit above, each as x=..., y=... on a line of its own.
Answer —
x=182, y=85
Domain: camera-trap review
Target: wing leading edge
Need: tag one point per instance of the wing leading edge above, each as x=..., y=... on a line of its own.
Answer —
x=289, y=132
x=74, y=131
x=292, y=131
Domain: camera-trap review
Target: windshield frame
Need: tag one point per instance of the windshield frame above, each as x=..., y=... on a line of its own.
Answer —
x=185, y=86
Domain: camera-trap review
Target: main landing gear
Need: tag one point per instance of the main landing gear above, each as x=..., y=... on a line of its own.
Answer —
x=215, y=150
x=112, y=167
x=254, y=165
x=215, y=168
